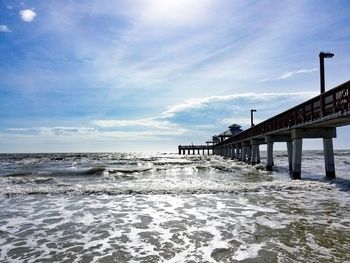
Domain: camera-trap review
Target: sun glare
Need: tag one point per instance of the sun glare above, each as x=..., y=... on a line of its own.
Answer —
x=190, y=12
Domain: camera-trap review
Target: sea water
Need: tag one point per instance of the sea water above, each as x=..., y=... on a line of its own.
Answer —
x=124, y=207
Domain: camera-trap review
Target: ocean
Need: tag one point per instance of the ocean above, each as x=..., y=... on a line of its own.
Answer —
x=161, y=207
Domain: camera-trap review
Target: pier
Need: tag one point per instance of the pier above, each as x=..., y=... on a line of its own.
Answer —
x=316, y=118
x=196, y=149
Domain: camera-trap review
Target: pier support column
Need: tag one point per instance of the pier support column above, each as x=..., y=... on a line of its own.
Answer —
x=233, y=156
x=290, y=155
x=297, y=153
x=253, y=160
x=249, y=153
x=179, y=150
x=257, y=154
x=329, y=158
x=255, y=149
x=238, y=152
x=269, y=162
x=244, y=153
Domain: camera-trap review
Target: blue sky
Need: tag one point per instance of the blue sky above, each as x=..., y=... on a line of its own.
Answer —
x=147, y=75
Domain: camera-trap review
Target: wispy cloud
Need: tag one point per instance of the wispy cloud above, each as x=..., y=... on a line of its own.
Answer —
x=154, y=123
x=27, y=15
x=83, y=133
x=203, y=102
x=4, y=28
x=290, y=74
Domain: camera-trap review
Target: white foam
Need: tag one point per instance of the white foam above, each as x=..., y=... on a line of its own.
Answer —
x=247, y=251
x=273, y=224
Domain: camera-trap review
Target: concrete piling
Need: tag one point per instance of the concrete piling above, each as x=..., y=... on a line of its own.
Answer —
x=329, y=158
x=254, y=154
x=269, y=162
x=290, y=155
x=297, y=153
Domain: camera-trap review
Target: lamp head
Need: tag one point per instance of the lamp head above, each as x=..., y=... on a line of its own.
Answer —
x=326, y=55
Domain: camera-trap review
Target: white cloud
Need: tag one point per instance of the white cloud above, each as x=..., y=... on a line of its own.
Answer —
x=198, y=103
x=290, y=74
x=148, y=128
x=147, y=122
x=4, y=28
x=27, y=15
x=18, y=129
x=90, y=133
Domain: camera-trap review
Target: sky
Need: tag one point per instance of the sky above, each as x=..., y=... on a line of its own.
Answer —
x=148, y=75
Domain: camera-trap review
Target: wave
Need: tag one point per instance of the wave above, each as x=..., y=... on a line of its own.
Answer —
x=93, y=171
x=32, y=180
x=19, y=174
x=187, y=187
x=128, y=170
x=177, y=162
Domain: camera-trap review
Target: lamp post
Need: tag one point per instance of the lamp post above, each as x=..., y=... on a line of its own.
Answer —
x=322, y=56
x=251, y=117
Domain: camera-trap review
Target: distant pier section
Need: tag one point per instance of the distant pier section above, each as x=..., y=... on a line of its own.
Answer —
x=316, y=118
x=196, y=149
